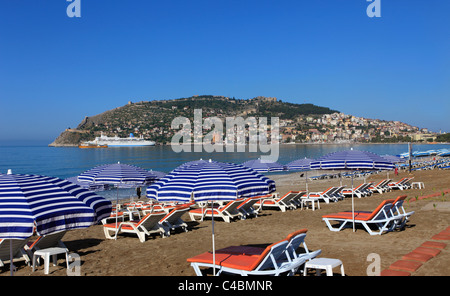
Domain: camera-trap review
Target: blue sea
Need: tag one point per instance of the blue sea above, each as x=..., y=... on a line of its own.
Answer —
x=65, y=162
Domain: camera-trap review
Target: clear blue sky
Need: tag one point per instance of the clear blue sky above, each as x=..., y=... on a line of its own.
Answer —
x=55, y=70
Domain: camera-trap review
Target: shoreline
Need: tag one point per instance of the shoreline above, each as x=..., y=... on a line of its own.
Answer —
x=326, y=143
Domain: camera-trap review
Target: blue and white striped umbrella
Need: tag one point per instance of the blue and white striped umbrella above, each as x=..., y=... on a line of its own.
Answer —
x=300, y=164
x=444, y=152
x=263, y=166
x=88, y=185
x=210, y=180
x=121, y=174
x=51, y=204
x=393, y=158
x=420, y=153
x=352, y=160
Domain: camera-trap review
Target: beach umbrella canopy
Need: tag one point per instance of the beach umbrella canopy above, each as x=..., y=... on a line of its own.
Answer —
x=263, y=166
x=404, y=155
x=300, y=164
x=420, y=153
x=210, y=180
x=444, y=152
x=51, y=204
x=352, y=160
x=88, y=185
x=393, y=158
x=119, y=174
x=155, y=175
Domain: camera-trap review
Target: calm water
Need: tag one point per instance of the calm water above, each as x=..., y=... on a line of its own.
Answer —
x=68, y=162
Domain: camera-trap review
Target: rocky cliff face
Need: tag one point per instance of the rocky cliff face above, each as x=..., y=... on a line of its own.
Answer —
x=71, y=138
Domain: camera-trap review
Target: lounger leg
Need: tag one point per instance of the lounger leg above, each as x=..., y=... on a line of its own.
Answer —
x=141, y=236
x=166, y=229
x=343, y=223
x=196, y=269
x=107, y=233
x=371, y=232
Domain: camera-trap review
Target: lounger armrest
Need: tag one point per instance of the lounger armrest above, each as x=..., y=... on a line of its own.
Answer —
x=132, y=224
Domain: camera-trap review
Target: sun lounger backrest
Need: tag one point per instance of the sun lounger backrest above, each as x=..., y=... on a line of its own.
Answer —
x=401, y=180
x=150, y=220
x=328, y=190
x=48, y=241
x=380, y=207
x=17, y=245
x=293, y=234
x=339, y=190
x=379, y=183
x=382, y=211
x=398, y=203
x=365, y=186
x=270, y=255
x=384, y=183
x=232, y=205
x=294, y=244
x=360, y=186
x=175, y=214
x=400, y=198
x=288, y=196
x=248, y=203
x=407, y=180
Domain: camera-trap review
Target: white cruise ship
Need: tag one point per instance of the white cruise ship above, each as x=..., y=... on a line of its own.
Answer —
x=131, y=141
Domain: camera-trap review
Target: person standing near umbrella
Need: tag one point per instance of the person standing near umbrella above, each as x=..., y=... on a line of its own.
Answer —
x=138, y=192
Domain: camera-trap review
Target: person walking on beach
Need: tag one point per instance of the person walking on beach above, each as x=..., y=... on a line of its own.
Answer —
x=138, y=192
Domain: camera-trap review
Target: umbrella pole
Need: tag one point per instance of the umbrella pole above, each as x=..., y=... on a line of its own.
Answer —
x=117, y=210
x=306, y=181
x=353, y=206
x=11, y=264
x=213, y=244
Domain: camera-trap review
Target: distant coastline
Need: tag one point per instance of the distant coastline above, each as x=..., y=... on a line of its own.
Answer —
x=298, y=123
x=286, y=144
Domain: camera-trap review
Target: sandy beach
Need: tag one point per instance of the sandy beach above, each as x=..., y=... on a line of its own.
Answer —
x=157, y=256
